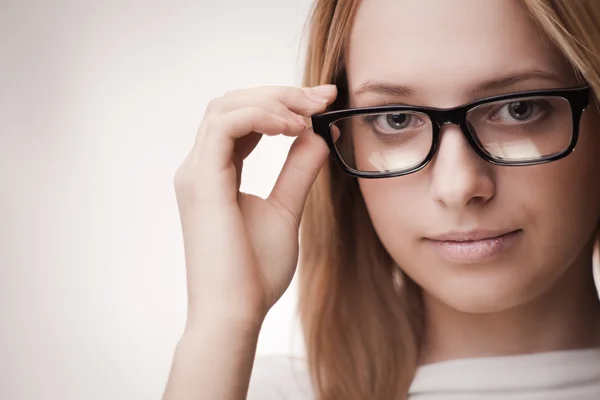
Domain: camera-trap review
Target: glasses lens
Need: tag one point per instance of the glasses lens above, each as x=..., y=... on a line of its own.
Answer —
x=383, y=142
x=526, y=129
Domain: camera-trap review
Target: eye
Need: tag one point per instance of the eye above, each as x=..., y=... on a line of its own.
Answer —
x=393, y=123
x=520, y=111
x=397, y=121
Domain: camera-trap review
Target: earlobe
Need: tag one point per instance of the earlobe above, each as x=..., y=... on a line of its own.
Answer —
x=397, y=278
x=596, y=261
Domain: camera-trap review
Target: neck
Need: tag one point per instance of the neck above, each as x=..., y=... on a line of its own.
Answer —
x=566, y=317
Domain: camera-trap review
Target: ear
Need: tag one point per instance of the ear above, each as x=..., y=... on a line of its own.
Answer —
x=397, y=278
x=596, y=261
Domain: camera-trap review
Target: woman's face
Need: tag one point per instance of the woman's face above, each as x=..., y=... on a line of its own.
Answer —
x=448, y=53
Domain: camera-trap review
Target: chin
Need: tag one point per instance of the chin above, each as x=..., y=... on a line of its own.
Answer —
x=480, y=303
x=482, y=297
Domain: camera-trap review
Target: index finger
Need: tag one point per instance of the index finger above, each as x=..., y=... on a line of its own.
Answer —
x=304, y=101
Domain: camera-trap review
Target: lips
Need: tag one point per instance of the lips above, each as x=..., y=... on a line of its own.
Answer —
x=470, y=235
x=474, y=246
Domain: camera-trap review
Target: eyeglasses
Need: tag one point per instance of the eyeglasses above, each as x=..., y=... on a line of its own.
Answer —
x=525, y=128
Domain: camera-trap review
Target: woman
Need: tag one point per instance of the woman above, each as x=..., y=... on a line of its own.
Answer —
x=447, y=243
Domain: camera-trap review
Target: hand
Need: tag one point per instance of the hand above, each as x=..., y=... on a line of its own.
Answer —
x=241, y=251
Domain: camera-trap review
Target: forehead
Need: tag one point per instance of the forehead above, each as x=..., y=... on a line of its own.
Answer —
x=444, y=48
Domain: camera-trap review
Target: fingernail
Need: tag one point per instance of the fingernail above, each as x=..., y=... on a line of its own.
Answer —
x=324, y=89
x=314, y=96
x=320, y=93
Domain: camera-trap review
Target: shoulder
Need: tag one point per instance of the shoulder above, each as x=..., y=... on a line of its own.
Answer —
x=277, y=377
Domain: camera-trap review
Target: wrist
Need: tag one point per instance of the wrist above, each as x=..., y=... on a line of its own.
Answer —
x=223, y=321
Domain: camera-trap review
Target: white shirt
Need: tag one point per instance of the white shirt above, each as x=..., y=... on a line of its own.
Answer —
x=561, y=375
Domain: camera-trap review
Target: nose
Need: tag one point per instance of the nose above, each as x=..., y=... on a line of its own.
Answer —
x=460, y=178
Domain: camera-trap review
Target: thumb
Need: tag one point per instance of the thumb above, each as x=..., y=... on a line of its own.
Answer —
x=302, y=165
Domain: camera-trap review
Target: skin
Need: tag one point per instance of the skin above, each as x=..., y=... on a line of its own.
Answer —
x=538, y=295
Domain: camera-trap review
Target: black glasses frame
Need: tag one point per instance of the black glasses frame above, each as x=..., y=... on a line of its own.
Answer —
x=578, y=98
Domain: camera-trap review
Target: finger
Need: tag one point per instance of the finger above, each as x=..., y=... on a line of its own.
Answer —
x=242, y=149
x=245, y=145
x=305, y=159
x=304, y=101
x=299, y=102
x=245, y=99
x=335, y=132
x=222, y=132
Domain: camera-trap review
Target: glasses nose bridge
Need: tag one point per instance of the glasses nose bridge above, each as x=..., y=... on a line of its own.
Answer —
x=457, y=117
x=451, y=117
x=454, y=116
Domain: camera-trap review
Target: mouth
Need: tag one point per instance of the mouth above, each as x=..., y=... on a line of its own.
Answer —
x=470, y=236
x=474, y=246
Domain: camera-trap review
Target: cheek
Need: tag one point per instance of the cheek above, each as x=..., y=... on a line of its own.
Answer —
x=574, y=182
x=396, y=207
x=567, y=192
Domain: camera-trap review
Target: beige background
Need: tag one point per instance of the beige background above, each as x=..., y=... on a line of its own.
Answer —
x=99, y=104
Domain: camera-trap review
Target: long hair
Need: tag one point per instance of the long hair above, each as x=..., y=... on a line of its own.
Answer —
x=362, y=328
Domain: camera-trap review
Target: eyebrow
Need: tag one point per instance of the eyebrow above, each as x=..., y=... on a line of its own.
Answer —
x=390, y=89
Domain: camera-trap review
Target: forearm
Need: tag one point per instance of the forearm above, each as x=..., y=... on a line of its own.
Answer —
x=213, y=361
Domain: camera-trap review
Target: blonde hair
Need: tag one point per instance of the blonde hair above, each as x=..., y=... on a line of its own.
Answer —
x=362, y=331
